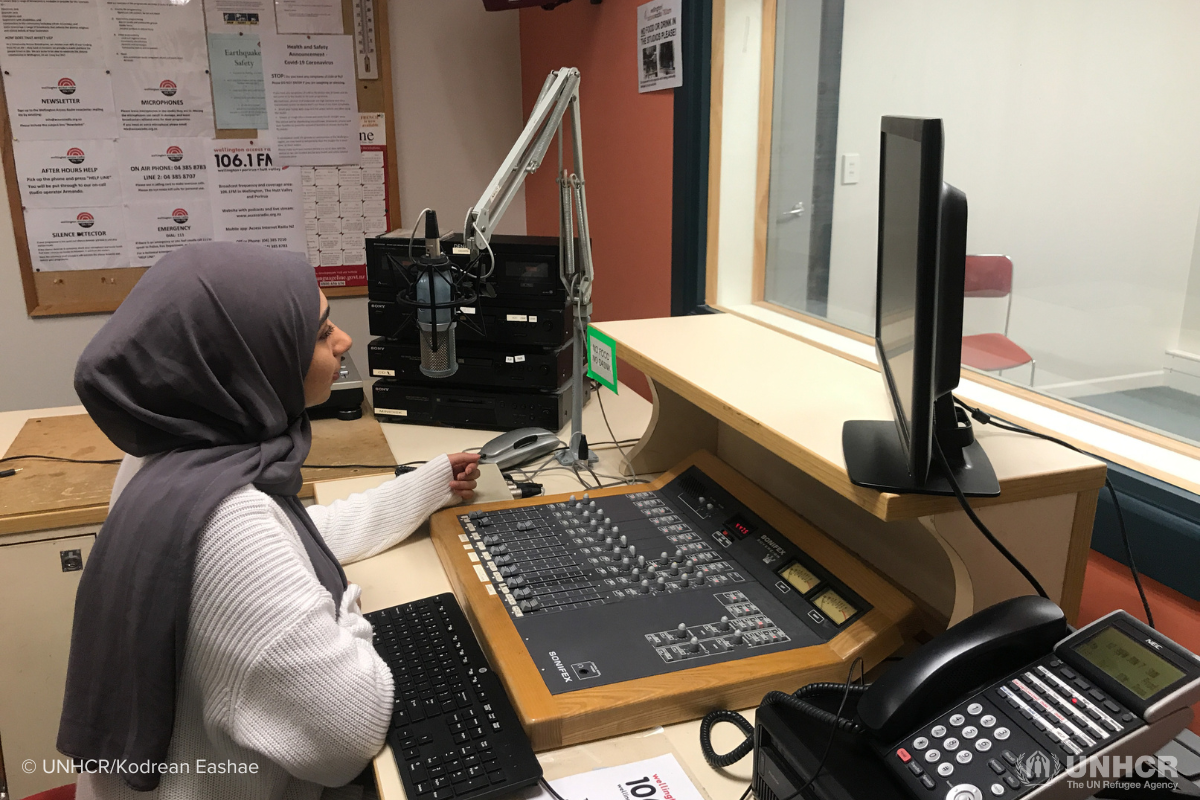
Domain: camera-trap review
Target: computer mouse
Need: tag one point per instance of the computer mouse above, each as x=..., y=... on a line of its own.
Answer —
x=518, y=447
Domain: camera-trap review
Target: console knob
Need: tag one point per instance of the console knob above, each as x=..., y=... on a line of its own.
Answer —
x=644, y=587
x=571, y=499
x=652, y=570
x=608, y=543
x=724, y=625
x=663, y=555
x=483, y=522
x=635, y=575
x=698, y=580
x=625, y=564
x=591, y=504
x=694, y=645
x=525, y=606
x=661, y=583
x=641, y=559
x=632, y=547
x=534, y=604
x=681, y=631
x=689, y=566
x=593, y=523
x=708, y=507
x=738, y=638
x=586, y=497
x=678, y=553
x=674, y=570
x=616, y=529
x=624, y=541
x=586, y=513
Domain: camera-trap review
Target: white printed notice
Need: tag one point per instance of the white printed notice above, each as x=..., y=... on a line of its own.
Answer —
x=253, y=199
x=344, y=205
x=659, y=778
x=60, y=104
x=64, y=174
x=92, y=237
x=158, y=32
x=309, y=16
x=312, y=103
x=153, y=169
x=660, y=62
x=155, y=229
x=231, y=16
x=64, y=34
x=162, y=101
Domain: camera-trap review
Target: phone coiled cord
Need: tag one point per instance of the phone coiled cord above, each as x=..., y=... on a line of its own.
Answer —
x=793, y=701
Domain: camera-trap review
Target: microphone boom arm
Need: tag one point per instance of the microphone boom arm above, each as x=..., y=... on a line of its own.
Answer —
x=558, y=97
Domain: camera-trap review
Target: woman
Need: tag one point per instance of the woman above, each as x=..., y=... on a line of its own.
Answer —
x=217, y=650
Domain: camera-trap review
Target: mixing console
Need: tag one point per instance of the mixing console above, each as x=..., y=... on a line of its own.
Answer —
x=615, y=588
x=635, y=606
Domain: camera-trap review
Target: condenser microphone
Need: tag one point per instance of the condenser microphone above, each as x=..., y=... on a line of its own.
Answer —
x=435, y=305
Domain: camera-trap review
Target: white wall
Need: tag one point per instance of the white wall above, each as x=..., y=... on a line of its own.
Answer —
x=456, y=78
x=457, y=90
x=1072, y=127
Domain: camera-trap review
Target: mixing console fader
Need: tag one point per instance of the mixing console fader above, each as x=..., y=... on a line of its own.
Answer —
x=699, y=573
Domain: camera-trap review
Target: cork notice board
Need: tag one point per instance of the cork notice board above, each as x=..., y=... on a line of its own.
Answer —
x=101, y=291
x=54, y=494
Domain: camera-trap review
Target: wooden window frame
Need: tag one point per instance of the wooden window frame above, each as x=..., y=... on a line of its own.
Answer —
x=758, y=267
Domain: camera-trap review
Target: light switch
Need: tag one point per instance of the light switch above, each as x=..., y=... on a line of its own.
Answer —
x=849, y=168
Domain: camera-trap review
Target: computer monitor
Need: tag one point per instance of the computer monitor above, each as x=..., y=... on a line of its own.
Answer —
x=918, y=325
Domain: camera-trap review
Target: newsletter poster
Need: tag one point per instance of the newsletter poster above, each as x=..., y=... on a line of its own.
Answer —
x=660, y=61
x=60, y=104
x=345, y=205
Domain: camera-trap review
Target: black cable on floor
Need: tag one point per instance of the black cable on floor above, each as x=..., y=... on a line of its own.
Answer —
x=984, y=418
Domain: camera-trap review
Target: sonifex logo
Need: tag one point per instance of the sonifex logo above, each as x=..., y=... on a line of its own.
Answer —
x=566, y=676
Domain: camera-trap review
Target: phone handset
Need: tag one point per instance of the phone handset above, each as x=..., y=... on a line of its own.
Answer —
x=977, y=651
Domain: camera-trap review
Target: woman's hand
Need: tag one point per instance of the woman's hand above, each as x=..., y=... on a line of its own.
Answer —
x=464, y=473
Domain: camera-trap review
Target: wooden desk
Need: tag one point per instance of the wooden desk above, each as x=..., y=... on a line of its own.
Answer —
x=772, y=407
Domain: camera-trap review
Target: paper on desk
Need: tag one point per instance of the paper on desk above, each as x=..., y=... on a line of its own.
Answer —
x=659, y=778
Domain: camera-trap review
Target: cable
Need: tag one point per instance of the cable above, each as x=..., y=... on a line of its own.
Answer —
x=628, y=463
x=984, y=418
x=63, y=459
x=413, y=235
x=795, y=702
x=861, y=687
x=962, y=501
x=546, y=785
x=362, y=466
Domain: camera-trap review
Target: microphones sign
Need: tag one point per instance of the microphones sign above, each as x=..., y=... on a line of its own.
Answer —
x=602, y=358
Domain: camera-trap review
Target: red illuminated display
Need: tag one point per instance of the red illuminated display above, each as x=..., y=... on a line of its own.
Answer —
x=739, y=527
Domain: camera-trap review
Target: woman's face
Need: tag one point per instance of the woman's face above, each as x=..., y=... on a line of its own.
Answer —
x=326, y=364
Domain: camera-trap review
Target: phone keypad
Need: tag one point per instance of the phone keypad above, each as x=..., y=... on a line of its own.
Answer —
x=1045, y=710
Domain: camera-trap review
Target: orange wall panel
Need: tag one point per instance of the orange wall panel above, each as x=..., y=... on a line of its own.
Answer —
x=627, y=151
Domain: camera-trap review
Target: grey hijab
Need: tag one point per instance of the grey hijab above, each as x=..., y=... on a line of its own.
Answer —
x=203, y=365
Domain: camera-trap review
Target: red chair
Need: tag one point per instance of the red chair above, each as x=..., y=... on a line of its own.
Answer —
x=59, y=793
x=992, y=276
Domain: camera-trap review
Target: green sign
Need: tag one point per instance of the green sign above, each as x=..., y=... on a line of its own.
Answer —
x=602, y=358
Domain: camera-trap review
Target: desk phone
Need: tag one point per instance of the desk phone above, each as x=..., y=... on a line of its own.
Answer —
x=1009, y=703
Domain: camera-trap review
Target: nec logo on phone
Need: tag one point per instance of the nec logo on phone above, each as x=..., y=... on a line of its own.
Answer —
x=1154, y=644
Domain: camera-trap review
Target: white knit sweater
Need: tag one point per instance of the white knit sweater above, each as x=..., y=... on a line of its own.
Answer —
x=272, y=674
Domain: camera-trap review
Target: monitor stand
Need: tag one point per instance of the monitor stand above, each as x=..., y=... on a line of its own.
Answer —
x=876, y=459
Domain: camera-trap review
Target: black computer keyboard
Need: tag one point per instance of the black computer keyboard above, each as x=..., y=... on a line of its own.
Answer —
x=454, y=733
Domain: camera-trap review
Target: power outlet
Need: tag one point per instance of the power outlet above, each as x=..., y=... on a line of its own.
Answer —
x=849, y=168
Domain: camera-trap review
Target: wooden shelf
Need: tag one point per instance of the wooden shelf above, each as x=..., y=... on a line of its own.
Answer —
x=792, y=398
